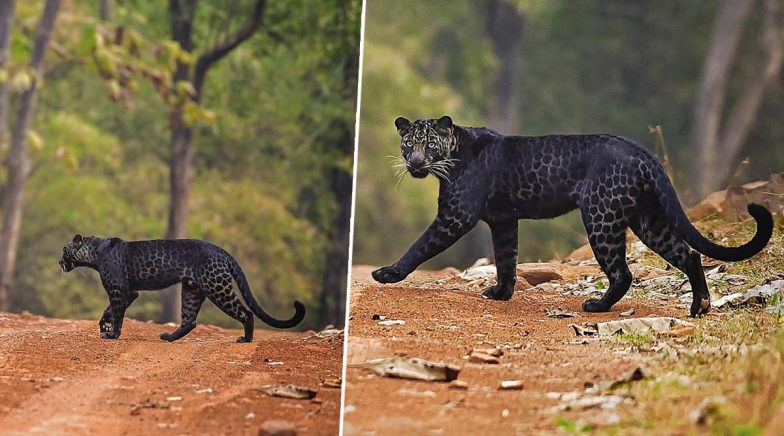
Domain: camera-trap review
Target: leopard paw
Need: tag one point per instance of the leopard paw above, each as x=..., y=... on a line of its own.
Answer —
x=243, y=340
x=700, y=305
x=496, y=292
x=388, y=274
x=105, y=326
x=595, y=305
x=109, y=335
x=167, y=337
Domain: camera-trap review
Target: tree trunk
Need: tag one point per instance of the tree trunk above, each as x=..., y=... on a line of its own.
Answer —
x=712, y=91
x=6, y=22
x=18, y=164
x=106, y=12
x=181, y=153
x=181, y=167
x=716, y=147
x=744, y=112
x=333, y=289
x=505, y=28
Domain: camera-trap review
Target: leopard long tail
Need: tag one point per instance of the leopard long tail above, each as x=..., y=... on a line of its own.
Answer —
x=247, y=295
x=664, y=190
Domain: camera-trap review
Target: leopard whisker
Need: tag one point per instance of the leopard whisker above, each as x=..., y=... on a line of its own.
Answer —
x=400, y=179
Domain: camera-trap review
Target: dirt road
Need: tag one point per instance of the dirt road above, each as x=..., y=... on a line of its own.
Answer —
x=444, y=323
x=58, y=377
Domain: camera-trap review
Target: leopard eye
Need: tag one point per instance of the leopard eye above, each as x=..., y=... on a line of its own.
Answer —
x=431, y=145
x=407, y=144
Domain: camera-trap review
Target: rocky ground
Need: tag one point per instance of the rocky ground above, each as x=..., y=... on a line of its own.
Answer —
x=58, y=377
x=694, y=376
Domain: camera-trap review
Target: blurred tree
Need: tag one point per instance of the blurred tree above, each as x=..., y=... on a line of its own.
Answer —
x=345, y=55
x=18, y=163
x=265, y=149
x=6, y=22
x=505, y=30
x=190, y=82
x=718, y=139
x=578, y=76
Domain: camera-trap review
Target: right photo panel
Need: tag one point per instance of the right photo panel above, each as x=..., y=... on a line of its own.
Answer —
x=568, y=219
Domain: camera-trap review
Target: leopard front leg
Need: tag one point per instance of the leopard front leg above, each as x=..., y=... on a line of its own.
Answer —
x=105, y=324
x=446, y=229
x=117, y=306
x=504, y=235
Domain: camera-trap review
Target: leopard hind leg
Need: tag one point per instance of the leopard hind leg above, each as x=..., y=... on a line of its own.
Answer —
x=655, y=231
x=220, y=291
x=605, y=210
x=192, y=298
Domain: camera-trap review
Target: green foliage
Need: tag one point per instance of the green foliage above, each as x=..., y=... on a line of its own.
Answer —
x=572, y=427
x=263, y=147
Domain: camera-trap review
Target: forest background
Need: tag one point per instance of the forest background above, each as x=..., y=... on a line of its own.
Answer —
x=230, y=121
x=709, y=73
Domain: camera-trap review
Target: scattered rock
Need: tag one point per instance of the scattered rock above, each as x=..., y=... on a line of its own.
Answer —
x=411, y=368
x=629, y=312
x=277, y=427
x=478, y=273
x=391, y=322
x=631, y=325
x=491, y=351
x=756, y=295
x=731, y=203
x=408, y=392
x=250, y=416
x=558, y=313
x=173, y=398
x=288, y=391
x=333, y=383
x=601, y=387
x=536, y=273
x=511, y=385
x=476, y=357
x=329, y=332
x=589, y=401
x=458, y=384
x=583, y=253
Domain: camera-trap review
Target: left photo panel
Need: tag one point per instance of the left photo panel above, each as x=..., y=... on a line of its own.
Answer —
x=176, y=195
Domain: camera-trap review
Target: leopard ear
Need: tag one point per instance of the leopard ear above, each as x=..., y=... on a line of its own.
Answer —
x=401, y=124
x=77, y=239
x=445, y=122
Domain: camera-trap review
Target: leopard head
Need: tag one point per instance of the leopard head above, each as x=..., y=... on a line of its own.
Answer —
x=80, y=251
x=427, y=146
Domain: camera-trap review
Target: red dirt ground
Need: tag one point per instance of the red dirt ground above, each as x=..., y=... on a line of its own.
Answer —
x=444, y=323
x=58, y=377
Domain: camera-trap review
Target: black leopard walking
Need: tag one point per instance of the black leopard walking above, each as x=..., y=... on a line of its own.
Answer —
x=205, y=271
x=615, y=182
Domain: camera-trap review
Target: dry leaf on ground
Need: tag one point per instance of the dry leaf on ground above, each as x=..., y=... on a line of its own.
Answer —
x=411, y=368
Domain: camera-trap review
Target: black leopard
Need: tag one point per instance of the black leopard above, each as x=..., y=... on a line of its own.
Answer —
x=205, y=271
x=615, y=183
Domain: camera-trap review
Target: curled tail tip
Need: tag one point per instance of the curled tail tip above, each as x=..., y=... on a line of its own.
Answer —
x=759, y=211
x=299, y=309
